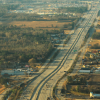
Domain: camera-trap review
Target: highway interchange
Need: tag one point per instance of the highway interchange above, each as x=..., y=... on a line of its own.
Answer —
x=42, y=86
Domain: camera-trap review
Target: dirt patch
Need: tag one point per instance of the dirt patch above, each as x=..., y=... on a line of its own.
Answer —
x=99, y=22
x=94, y=41
x=0, y=23
x=66, y=31
x=2, y=88
x=97, y=30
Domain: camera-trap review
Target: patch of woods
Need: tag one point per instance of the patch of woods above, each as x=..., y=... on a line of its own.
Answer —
x=36, y=17
x=96, y=46
x=72, y=9
x=81, y=84
x=25, y=44
x=14, y=93
x=6, y=7
x=4, y=81
x=96, y=35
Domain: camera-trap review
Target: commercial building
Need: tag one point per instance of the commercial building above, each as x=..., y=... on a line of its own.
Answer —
x=15, y=72
x=85, y=70
x=94, y=95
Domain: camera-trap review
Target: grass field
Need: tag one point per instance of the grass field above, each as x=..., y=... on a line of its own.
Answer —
x=94, y=41
x=78, y=93
x=39, y=24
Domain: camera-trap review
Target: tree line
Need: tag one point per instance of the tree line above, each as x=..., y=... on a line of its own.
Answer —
x=72, y=9
x=22, y=44
x=4, y=8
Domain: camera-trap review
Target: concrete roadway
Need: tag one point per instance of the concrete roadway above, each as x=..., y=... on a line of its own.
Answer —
x=62, y=52
x=27, y=95
x=33, y=89
x=60, y=73
x=52, y=66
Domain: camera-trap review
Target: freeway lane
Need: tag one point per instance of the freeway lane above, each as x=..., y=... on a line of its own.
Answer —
x=44, y=81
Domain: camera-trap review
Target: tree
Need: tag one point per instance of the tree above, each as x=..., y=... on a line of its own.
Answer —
x=32, y=62
x=65, y=25
x=78, y=88
x=72, y=24
x=25, y=73
x=51, y=25
x=69, y=79
x=81, y=80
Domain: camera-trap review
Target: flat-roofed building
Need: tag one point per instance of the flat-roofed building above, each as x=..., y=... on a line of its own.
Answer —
x=94, y=95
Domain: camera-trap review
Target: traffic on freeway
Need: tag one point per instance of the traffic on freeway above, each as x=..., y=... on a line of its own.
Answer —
x=42, y=86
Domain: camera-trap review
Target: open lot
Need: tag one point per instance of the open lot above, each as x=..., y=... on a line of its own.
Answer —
x=40, y=24
x=97, y=30
x=2, y=88
x=94, y=41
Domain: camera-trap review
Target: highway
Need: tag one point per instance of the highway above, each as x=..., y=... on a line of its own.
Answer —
x=42, y=86
x=76, y=44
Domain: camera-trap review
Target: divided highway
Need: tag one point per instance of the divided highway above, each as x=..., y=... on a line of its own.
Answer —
x=34, y=90
x=86, y=25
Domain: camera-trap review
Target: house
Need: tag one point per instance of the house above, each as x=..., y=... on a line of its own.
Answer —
x=19, y=69
x=86, y=66
x=98, y=51
x=94, y=51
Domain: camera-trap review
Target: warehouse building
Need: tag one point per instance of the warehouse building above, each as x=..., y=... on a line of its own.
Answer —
x=85, y=70
x=15, y=72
